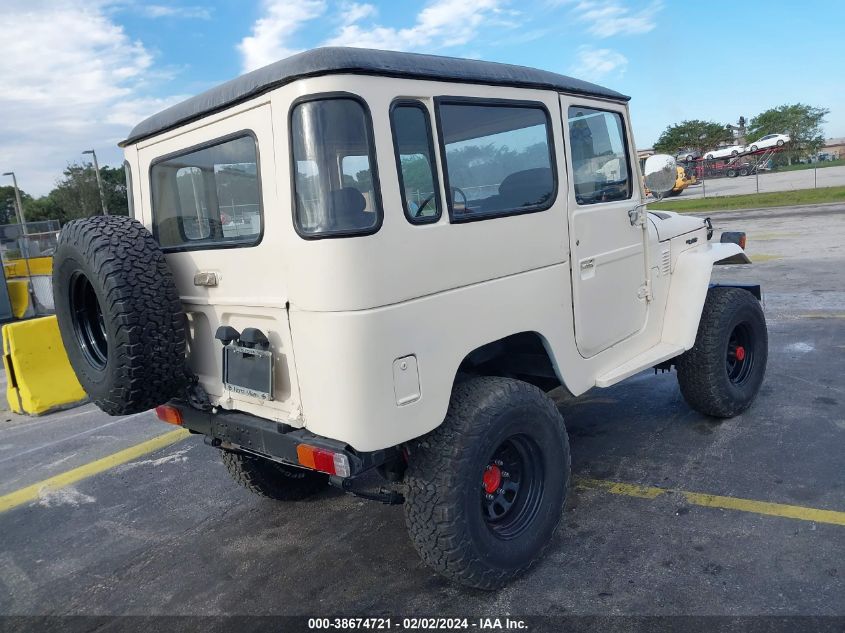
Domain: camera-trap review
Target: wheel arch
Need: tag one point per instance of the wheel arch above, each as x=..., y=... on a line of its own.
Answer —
x=527, y=356
x=688, y=289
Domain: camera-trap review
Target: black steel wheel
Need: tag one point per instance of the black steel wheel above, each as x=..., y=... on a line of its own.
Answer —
x=486, y=489
x=512, y=486
x=89, y=325
x=721, y=375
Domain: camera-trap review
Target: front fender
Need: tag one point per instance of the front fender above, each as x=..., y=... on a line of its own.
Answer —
x=688, y=289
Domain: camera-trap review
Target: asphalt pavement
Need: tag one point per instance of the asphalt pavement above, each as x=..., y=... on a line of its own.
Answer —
x=169, y=533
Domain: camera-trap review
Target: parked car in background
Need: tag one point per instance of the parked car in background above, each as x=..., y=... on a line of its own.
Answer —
x=724, y=152
x=688, y=155
x=770, y=140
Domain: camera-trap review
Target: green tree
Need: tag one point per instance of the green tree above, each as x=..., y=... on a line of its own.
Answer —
x=802, y=122
x=692, y=135
x=7, y=204
x=76, y=195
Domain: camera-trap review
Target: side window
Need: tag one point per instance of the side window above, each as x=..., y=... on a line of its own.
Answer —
x=599, y=156
x=415, y=162
x=209, y=197
x=498, y=159
x=335, y=181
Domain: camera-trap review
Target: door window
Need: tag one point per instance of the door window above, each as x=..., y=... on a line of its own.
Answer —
x=601, y=172
x=415, y=162
x=498, y=158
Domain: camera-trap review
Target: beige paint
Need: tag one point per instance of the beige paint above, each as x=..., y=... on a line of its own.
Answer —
x=340, y=313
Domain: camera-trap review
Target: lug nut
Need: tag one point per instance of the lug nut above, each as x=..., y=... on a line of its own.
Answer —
x=505, y=474
x=499, y=462
x=500, y=491
x=489, y=497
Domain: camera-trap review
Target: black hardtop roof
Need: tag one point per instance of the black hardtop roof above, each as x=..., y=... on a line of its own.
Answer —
x=333, y=60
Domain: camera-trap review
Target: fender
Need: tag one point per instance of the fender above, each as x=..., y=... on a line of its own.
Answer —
x=688, y=289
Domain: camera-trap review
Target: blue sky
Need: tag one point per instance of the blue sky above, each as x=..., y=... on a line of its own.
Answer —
x=79, y=73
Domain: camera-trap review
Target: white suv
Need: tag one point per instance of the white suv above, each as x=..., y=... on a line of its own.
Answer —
x=354, y=261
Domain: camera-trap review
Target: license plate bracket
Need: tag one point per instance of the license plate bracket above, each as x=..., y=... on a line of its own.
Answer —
x=248, y=371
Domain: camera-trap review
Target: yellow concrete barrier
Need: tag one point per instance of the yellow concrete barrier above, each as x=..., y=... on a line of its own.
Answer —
x=38, y=374
x=37, y=266
x=19, y=296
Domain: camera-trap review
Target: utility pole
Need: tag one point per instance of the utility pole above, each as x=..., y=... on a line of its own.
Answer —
x=99, y=180
x=18, y=204
x=24, y=244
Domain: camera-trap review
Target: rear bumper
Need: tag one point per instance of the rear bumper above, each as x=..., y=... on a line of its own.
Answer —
x=235, y=431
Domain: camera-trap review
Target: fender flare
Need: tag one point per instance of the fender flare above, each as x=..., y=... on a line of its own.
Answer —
x=688, y=289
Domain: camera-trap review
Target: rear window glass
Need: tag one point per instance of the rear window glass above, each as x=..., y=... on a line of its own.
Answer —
x=335, y=180
x=498, y=159
x=209, y=197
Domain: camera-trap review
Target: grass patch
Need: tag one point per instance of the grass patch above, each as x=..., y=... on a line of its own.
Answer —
x=819, y=165
x=754, y=200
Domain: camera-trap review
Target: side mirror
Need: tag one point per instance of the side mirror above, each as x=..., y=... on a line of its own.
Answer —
x=660, y=173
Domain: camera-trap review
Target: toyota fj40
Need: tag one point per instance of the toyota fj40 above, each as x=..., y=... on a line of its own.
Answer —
x=353, y=262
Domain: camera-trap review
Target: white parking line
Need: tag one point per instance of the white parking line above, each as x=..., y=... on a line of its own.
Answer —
x=70, y=437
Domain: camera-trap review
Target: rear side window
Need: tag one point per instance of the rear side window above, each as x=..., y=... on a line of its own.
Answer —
x=415, y=162
x=208, y=197
x=335, y=179
x=601, y=172
x=498, y=159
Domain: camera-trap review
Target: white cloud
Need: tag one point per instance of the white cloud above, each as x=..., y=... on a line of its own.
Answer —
x=271, y=34
x=606, y=18
x=164, y=11
x=75, y=80
x=594, y=63
x=440, y=24
x=355, y=11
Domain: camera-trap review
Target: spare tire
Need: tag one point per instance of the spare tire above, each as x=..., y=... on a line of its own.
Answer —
x=119, y=314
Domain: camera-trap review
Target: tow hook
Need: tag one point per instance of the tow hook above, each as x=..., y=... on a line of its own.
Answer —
x=383, y=495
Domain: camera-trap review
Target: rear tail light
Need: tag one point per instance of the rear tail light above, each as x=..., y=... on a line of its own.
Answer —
x=323, y=460
x=169, y=414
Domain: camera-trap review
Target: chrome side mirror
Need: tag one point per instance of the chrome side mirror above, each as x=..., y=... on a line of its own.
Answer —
x=660, y=173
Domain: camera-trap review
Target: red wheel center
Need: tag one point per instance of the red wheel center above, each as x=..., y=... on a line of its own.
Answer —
x=740, y=353
x=492, y=479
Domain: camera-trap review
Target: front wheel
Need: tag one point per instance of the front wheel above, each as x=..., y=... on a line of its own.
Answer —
x=721, y=375
x=486, y=489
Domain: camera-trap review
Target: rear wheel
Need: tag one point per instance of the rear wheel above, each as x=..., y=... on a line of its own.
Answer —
x=721, y=375
x=273, y=480
x=486, y=489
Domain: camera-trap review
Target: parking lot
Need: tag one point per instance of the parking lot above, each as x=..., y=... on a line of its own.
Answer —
x=168, y=533
x=765, y=182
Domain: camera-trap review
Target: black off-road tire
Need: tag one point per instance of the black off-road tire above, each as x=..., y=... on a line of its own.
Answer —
x=711, y=381
x=119, y=314
x=445, y=511
x=272, y=480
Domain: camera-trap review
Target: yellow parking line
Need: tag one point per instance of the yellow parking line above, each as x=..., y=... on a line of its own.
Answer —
x=801, y=513
x=30, y=493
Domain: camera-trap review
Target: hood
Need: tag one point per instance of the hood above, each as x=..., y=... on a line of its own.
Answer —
x=670, y=224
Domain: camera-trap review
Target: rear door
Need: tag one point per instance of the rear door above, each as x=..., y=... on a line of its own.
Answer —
x=608, y=260
x=210, y=200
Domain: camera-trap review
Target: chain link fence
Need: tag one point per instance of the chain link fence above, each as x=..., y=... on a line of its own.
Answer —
x=27, y=256
x=767, y=170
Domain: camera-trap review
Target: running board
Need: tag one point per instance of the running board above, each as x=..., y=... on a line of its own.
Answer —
x=650, y=358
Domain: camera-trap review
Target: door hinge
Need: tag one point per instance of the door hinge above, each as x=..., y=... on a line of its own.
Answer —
x=644, y=291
